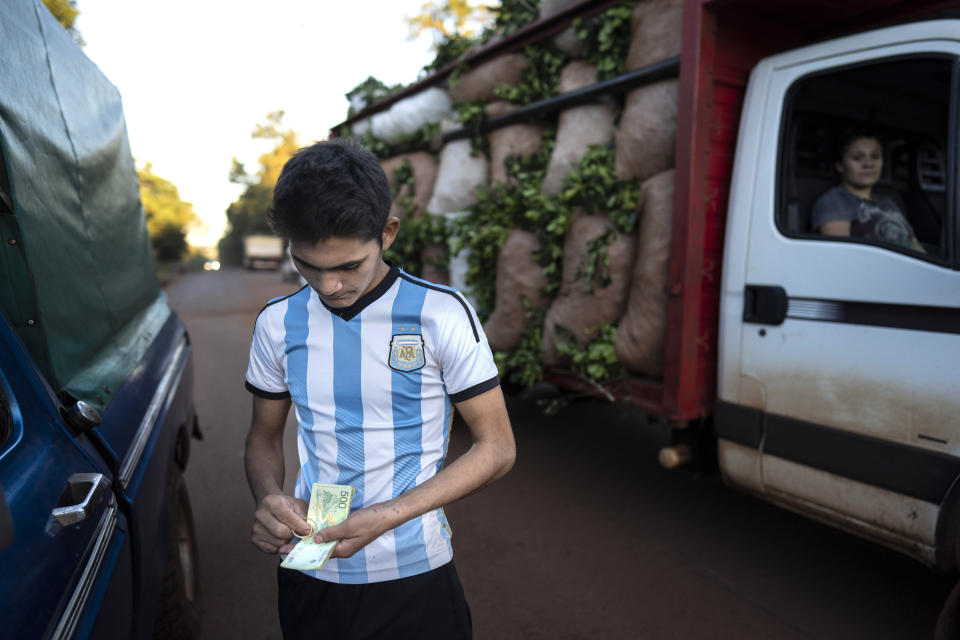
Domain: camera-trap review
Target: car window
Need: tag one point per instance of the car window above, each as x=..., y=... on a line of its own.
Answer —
x=6, y=420
x=864, y=156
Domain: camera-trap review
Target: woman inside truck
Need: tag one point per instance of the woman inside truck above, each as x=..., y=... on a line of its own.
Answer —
x=854, y=208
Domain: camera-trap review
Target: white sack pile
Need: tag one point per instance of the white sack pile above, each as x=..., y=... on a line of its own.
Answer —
x=575, y=309
x=424, y=168
x=459, y=176
x=577, y=128
x=641, y=332
x=514, y=140
x=519, y=277
x=407, y=115
x=478, y=83
x=647, y=133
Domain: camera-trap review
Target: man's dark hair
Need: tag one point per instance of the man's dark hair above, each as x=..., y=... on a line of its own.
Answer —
x=334, y=188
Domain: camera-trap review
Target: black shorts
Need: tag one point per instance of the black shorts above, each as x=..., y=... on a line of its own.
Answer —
x=422, y=607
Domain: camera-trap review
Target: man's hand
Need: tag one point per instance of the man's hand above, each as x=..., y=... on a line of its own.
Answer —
x=360, y=529
x=276, y=520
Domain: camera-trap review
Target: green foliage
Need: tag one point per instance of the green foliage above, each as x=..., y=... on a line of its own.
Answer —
x=416, y=235
x=514, y=14
x=403, y=177
x=524, y=363
x=606, y=39
x=595, y=361
x=168, y=217
x=450, y=49
x=516, y=204
x=368, y=92
x=594, y=187
x=540, y=79
x=248, y=214
x=473, y=116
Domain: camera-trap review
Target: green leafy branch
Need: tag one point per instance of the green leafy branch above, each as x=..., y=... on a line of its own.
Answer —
x=606, y=39
x=540, y=79
x=473, y=116
x=596, y=361
x=524, y=363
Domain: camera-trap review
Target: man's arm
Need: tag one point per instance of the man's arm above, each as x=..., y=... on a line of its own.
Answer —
x=491, y=456
x=277, y=515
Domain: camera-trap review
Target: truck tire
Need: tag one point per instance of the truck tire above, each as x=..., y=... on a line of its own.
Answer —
x=181, y=613
x=948, y=623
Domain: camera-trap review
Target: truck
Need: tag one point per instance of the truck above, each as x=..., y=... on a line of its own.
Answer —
x=819, y=373
x=96, y=371
x=262, y=251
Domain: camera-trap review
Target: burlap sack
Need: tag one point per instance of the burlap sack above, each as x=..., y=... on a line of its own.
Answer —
x=424, y=167
x=646, y=137
x=459, y=176
x=657, y=27
x=514, y=140
x=567, y=40
x=435, y=272
x=574, y=308
x=642, y=329
x=577, y=128
x=518, y=277
x=478, y=83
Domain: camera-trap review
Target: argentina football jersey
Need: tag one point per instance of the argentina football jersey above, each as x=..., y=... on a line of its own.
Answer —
x=372, y=386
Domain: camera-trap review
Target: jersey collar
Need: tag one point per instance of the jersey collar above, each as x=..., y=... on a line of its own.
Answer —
x=364, y=301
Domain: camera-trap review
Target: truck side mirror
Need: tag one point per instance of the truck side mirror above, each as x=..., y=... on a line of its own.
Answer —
x=7, y=532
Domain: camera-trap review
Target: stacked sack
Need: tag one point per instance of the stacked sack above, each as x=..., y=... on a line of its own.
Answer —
x=643, y=131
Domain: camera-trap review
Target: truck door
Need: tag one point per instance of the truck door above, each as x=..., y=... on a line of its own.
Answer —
x=842, y=351
x=64, y=551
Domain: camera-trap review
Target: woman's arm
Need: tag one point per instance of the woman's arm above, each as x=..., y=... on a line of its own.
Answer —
x=835, y=228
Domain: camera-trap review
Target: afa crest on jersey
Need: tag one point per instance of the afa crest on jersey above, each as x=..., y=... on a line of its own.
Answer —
x=406, y=352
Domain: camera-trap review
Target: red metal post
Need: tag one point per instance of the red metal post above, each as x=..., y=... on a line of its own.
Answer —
x=683, y=396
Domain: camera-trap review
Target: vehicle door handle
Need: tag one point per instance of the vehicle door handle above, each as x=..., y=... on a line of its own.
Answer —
x=764, y=304
x=87, y=490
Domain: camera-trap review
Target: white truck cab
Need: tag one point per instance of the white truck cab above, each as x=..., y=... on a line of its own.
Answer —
x=839, y=357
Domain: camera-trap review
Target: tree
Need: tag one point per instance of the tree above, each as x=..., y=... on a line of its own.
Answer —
x=66, y=12
x=168, y=217
x=248, y=213
x=447, y=19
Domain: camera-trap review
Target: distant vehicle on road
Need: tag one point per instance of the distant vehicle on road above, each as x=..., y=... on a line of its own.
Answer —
x=263, y=252
x=289, y=271
x=96, y=370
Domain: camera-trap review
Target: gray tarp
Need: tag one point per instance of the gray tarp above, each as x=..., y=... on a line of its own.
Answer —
x=79, y=284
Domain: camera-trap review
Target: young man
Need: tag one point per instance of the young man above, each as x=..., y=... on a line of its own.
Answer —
x=372, y=358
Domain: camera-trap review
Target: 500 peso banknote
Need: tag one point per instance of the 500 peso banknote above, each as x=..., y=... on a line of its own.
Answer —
x=329, y=505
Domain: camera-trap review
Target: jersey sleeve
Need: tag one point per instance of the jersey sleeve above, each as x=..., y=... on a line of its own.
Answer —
x=265, y=374
x=463, y=352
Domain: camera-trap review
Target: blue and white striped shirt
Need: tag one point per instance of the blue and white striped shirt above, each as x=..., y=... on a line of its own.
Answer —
x=372, y=386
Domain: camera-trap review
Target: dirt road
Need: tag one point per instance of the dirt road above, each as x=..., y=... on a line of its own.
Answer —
x=586, y=538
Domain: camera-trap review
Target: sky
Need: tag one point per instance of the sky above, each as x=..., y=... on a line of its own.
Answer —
x=197, y=76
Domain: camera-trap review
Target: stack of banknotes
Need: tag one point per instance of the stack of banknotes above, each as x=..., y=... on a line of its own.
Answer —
x=329, y=505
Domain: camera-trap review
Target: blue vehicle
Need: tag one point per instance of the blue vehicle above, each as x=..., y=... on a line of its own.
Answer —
x=96, y=401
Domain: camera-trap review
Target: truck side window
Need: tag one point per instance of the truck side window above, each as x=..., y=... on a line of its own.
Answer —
x=863, y=156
